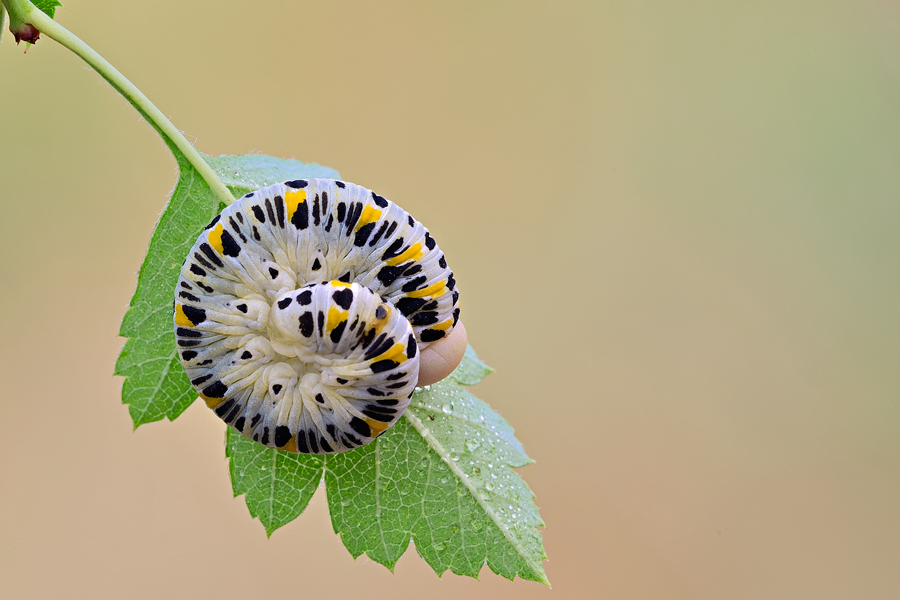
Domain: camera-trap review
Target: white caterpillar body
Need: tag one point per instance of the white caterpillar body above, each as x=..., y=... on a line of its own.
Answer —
x=301, y=309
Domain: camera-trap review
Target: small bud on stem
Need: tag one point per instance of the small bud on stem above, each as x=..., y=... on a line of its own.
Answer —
x=24, y=33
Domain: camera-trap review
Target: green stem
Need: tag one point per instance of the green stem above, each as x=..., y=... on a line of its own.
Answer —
x=26, y=12
x=2, y=19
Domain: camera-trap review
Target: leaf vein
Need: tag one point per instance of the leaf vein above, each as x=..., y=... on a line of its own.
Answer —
x=461, y=476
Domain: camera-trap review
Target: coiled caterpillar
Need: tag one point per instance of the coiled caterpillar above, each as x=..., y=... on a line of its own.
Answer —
x=301, y=309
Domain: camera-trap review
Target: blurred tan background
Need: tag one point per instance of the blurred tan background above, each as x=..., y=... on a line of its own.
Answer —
x=676, y=233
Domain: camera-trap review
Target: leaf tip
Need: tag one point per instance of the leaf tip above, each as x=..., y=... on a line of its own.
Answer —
x=120, y=369
x=387, y=563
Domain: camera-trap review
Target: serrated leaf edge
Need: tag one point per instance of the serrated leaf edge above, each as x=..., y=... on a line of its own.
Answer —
x=269, y=513
x=461, y=476
x=165, y=374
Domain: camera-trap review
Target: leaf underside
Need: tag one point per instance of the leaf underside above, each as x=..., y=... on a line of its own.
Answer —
x=156, y=385
x=442, y=477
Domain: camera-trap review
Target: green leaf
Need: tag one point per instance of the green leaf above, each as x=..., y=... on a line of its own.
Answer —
x=442, y=477
x=244, y=174
x=276, y=485
x=156, y=385
x=471, y=370
x=48, y=7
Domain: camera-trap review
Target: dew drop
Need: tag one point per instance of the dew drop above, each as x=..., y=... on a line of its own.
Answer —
x=447, y=408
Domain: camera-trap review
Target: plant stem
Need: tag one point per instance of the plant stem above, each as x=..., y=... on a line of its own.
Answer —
x=26, y=12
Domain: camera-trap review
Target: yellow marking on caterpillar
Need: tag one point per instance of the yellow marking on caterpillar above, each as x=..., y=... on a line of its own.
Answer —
x=411, y=252
x=443, y=326
x=212, y=402
x=431, y=290
x=215, y=238
x=368, y=215
x=291, y=446
x=293, y=199
x=379, y=325
x=180, y=318
x=391, y=352
x=336, y=283
x=335, y=316
x=377, y=427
